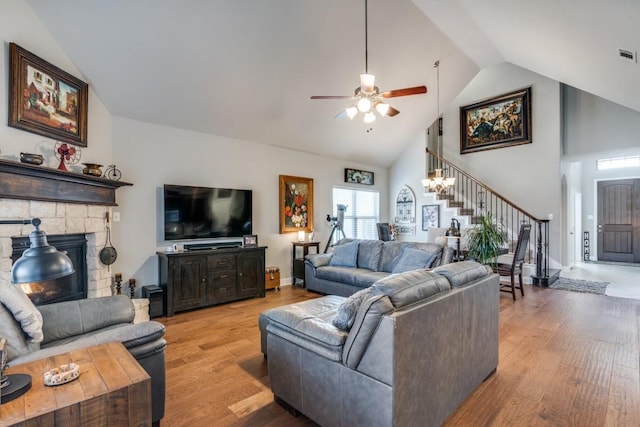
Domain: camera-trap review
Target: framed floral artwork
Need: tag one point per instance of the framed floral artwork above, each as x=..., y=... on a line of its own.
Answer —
x=46, y=100
x=296, y=204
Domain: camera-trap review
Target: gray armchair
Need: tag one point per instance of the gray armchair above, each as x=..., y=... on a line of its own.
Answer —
x=70, y=325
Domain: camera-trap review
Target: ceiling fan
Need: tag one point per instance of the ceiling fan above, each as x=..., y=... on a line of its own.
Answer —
x=367, y=96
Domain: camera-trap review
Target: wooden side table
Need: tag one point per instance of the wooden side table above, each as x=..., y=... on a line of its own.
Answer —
x=113, y=389
x=297, y=263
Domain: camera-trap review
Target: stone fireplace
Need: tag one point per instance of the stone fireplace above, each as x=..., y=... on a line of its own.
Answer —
x=67, y=203
x=59, y=219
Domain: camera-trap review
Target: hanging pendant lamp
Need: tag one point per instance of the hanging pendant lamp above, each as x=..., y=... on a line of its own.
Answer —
x=438, y=182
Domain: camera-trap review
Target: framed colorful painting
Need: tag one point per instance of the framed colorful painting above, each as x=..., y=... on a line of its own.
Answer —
x=497, y=122
x=296, y=204
x=45, y=100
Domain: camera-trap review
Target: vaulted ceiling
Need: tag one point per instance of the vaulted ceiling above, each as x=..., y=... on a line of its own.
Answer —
x=246, y=68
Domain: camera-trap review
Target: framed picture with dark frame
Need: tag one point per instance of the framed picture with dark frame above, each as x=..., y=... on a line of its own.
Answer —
x=356, y=176
x=498, y=122
x=296, y=204
x=45, y=100
x=250, y=241
x=430, y=217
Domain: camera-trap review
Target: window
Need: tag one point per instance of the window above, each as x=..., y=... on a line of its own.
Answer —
x=362, y=213
x=618, y=162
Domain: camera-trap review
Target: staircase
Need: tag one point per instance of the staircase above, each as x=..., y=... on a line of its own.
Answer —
x=469, y=198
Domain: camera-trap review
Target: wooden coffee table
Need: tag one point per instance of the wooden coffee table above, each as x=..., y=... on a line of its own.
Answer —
x=113, y=389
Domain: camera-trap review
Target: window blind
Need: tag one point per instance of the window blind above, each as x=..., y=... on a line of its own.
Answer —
x=362, y=213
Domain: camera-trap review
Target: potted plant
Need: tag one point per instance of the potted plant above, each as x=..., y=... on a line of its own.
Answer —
x=485, y=240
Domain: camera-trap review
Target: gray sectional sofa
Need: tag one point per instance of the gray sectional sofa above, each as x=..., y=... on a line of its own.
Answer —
x=34, y=333
x=419, y=343
x=357, y=264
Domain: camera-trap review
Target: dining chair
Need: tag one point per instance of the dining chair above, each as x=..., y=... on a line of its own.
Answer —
x=510, y=270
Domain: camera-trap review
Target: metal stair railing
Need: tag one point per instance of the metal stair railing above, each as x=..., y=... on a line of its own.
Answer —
x=475, y=198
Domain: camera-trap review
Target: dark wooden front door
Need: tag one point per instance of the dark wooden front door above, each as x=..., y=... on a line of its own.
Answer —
x=619, y=220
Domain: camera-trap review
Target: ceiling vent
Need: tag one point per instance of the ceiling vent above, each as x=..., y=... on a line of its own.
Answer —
x=628, y=55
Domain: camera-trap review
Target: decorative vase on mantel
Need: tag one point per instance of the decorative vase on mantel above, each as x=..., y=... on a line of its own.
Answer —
x=92, y=169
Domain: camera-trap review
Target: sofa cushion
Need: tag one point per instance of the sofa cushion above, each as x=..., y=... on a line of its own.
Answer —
x=346, y=314
x=366, y=278
x=411, y=286
x=337, y=274
x=308, y=324
x=369, y=252
x=23, y=311
x=460, y=273
x=344, y=255
x=17, y=344
x=71, y=318
x=413, y=259
x=390, y=253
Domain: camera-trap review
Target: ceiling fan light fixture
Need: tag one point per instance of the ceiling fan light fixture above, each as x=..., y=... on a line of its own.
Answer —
x=364, y=105
x=369, y=117
x=367, y=83
x=382, y=108
x=367, y=95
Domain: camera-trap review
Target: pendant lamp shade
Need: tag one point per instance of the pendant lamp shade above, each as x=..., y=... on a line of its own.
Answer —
x=40, y=262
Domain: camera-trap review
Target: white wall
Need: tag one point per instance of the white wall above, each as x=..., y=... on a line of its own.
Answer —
x=151, y=155
x=529, y=175
x=20, y=25
x=596, y=129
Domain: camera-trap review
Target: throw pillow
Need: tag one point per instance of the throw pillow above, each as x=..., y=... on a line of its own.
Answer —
x=23, y=311
x=347, y=311
x=413, y=259
x=344, y=255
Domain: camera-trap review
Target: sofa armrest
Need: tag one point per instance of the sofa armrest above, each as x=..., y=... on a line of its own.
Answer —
x=71, y=318
x=318, y=260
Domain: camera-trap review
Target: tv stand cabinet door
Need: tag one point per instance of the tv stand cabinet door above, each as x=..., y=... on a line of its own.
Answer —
x=189, y=282
x=251, y=273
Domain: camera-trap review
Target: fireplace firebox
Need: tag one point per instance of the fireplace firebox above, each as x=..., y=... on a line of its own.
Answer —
x=67, y=288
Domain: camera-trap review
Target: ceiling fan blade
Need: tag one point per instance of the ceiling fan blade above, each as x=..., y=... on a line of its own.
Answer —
x=392, y=112
x=332, y=97
x=404, y=92
x=341, y=114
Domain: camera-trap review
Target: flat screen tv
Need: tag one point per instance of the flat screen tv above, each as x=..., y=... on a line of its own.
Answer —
x=206, y=213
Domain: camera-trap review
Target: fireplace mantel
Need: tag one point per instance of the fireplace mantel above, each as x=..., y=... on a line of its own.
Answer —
x=28, y=182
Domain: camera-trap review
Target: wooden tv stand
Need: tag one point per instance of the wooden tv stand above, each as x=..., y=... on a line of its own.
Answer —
x=206, y=277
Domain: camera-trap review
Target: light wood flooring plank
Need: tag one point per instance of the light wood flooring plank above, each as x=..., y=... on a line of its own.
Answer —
x=565, y=359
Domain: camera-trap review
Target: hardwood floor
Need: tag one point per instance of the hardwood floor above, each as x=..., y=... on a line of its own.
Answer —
x=566, y=359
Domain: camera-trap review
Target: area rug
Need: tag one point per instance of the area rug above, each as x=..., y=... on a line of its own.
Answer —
x=576, y=285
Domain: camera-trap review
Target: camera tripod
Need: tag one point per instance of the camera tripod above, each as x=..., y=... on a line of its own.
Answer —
x=336, y=227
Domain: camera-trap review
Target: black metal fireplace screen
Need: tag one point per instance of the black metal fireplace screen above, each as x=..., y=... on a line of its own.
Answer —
x=67, y=288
